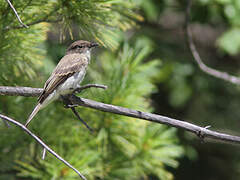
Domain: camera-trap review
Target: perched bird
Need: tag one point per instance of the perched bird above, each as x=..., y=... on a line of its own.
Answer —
x=67, y=75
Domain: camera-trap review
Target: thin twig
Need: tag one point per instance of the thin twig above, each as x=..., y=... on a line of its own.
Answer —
x=6, y=123
x=78, y=116
x=22, y=91
x=69, y=104
x=14, y=10
x=218, y=74
x=44, y=153
x=79, y=89
x=41, y=143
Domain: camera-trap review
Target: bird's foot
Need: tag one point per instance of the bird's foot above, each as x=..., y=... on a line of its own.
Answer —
x=66, y=102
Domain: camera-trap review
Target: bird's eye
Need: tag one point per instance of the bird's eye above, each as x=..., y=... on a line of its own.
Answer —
x=77, y=47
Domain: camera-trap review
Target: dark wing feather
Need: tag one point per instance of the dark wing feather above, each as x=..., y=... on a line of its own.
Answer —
x=55, y=83
x=67, y=66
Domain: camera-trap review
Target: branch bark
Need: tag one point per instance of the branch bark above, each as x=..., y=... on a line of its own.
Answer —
x=5, y=118
x=201, y=132
x=213, y=72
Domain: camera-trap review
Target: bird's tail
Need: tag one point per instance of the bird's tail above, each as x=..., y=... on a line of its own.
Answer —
x=34, y=112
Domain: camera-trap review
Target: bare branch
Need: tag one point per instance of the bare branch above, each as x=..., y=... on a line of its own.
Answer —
x=154, y=118
x=14, y=10
x=69, y=104
x=199, y=131
x=20, y=91
x=218, y=74
x=89, y=86
x=41, y=143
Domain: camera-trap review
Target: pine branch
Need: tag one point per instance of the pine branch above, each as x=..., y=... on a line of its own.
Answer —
x=46, y=147
x=46, y=18
x=34, y=22
x=201, y=132
x=213, y=72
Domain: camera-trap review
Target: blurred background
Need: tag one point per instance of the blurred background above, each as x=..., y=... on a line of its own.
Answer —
x=145, y=61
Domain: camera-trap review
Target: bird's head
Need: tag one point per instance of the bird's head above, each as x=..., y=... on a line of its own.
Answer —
x=81, y=46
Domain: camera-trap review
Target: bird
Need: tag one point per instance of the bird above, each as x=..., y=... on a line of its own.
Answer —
x=67, y=75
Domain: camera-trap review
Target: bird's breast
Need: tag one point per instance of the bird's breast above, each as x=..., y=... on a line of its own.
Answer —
x=71, y=83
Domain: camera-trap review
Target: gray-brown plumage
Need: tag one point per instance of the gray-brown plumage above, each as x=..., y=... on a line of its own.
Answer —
x=67, y=75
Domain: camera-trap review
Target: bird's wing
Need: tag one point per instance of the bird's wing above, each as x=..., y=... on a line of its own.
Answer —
x=66, y=67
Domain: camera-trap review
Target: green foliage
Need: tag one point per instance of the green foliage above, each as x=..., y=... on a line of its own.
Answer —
x=20, y=55
x=188, y=93
x=121, y=147
x=99, y=19
x=180, y=90
x=232, y=13
x=151, y=8
x=227, y=11
x=227, y=39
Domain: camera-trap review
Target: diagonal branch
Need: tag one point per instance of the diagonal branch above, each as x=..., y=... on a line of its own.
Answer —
x=199, y=131
x=15, y=12
x=46, y=147
x=218, y=74
x=78, y=116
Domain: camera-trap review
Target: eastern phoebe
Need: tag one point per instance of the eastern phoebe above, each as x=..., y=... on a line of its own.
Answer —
x=67, y=75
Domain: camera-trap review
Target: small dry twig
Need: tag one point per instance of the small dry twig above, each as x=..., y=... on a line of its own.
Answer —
x=79, y=89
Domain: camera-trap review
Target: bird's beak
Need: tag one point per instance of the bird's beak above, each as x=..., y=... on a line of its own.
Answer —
x=93, y=44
